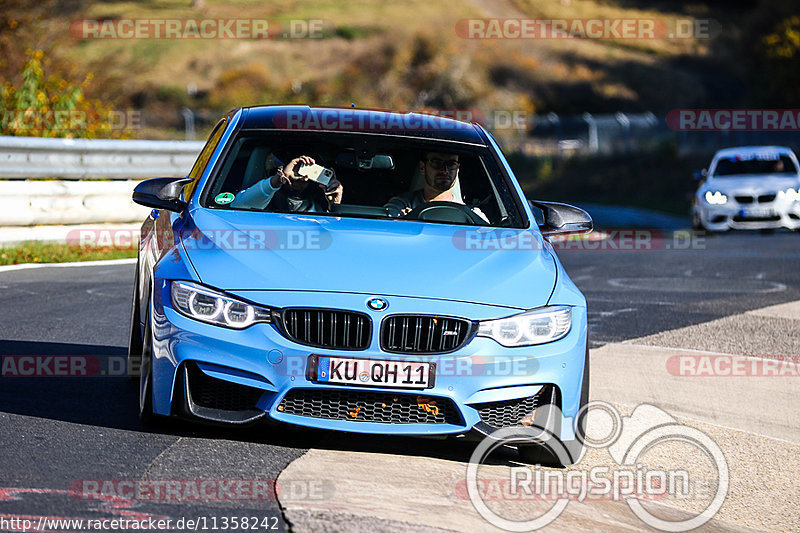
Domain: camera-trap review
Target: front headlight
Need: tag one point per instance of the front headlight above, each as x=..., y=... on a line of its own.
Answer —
x=715, y=198
x=207, y=305
x=792, y=195
x=538, y=326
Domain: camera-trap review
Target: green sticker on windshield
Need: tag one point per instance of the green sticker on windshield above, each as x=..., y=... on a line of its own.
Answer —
x=224, y=198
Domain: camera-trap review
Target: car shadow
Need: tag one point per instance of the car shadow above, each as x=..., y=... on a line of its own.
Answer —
x=53, y=386
x=458, y=450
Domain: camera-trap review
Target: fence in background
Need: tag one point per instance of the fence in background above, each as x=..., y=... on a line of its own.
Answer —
x=562, y=135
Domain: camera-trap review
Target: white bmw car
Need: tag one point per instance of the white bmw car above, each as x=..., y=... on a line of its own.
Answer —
x=749, y=187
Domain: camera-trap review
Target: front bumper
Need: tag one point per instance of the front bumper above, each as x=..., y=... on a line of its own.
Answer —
x=482, y=373
x=773, y=215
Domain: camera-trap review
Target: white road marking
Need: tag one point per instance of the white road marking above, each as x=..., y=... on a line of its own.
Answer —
x=744, y=286
x=25, y=266
x=98, y=292
x=609, y=300
x=614, y=312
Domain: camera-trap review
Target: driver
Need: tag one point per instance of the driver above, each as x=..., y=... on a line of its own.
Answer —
x=288, y=191
x=440, y=171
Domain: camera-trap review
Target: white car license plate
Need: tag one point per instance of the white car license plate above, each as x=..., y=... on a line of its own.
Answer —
x=374, y=372
x=757, y=212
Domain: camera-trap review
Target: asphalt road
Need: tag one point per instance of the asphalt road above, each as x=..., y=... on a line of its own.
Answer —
x=56, y=432
x=680, y=281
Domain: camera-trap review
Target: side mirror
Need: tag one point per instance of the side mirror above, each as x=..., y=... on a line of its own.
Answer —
x=561, y=219
x=161, y=193
x=700, y=174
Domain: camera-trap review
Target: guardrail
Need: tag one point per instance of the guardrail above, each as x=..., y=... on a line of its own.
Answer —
x=34, y=157
x=75, y=196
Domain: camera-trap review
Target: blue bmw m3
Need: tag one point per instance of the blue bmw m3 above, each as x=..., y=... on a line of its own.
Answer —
x=359, y=271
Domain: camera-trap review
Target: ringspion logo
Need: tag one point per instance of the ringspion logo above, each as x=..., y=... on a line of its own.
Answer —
x=628, y=477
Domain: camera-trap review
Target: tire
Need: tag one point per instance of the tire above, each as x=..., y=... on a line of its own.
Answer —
x=135, y=333
x=697, y=225
x=543, y=455
x=557, y=453
x=146, y=415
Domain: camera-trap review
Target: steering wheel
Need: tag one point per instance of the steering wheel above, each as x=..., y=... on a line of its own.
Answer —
x=441, y=211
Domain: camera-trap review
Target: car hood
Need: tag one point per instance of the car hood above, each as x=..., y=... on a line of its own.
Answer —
x=751, y=183
x=239, y=250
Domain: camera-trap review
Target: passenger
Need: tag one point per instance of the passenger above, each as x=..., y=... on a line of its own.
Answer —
x=288, y=191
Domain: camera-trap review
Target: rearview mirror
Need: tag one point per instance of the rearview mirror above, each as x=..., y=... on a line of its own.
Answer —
x=700, y=174
x=161, y=193
x=561, y=219
x=364, y=161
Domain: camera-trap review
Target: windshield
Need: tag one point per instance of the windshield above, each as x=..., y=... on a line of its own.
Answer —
x=363, y=176
x=760, y=164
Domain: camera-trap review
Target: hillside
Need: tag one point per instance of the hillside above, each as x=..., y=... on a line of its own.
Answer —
x=405, y=55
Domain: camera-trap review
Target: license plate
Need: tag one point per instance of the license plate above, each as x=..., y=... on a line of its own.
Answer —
x=373, y=372
x=757, y=212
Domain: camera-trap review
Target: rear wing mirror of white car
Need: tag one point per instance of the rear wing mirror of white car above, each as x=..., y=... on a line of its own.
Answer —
x=556, y=218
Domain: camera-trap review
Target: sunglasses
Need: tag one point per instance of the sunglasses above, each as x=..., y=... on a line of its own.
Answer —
x=439, y=164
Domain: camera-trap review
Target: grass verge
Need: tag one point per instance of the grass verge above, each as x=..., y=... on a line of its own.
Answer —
x=39, y=252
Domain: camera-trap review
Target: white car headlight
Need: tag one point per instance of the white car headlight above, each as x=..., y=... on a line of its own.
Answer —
x=207, y=305
x=715, y=198
x=538, y=326
x=792, y=195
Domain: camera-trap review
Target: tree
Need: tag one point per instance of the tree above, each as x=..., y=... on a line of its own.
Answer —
x=51, y=106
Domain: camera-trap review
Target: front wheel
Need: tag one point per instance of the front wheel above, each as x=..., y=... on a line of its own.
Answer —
x=697, y=222
x=146, y=414
x=135, y=336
